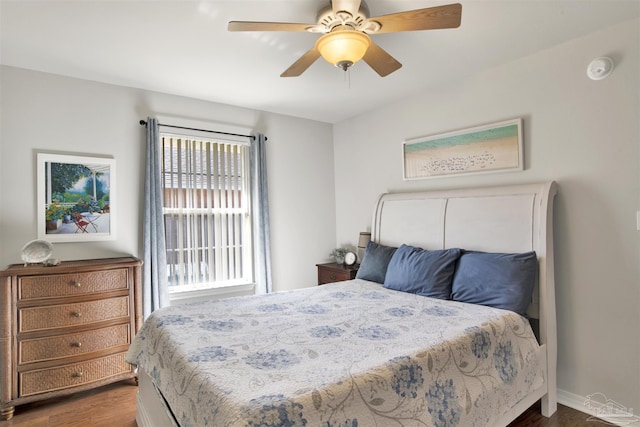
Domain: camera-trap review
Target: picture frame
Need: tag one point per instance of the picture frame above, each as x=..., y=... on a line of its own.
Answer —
x=76, y=198
x=495, y=147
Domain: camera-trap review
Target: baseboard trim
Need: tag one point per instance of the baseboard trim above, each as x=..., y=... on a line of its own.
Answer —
x=609, y=411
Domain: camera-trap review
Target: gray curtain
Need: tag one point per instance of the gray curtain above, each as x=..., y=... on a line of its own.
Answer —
x=155, y=293
x=260, y=209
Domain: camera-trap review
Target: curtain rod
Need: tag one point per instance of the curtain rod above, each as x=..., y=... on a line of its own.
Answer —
x=143, y=123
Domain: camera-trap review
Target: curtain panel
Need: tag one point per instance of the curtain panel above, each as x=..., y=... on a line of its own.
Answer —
x=155, y=293
x=260, y=208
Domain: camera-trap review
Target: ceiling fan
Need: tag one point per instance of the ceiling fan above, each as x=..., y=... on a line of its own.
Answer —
x=346, y=26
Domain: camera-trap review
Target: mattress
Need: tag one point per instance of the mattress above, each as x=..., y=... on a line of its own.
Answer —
x=344, y=354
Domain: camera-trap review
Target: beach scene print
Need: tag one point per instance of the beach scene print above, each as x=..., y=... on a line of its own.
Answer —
x=485, y=149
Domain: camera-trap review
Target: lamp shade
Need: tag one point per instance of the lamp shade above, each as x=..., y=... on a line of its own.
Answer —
x=364, y=238
x=343, y=48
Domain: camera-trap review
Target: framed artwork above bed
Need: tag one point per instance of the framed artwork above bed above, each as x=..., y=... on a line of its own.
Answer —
x=495, y=147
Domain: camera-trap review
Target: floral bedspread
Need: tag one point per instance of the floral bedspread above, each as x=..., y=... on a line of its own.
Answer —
x=343, y=354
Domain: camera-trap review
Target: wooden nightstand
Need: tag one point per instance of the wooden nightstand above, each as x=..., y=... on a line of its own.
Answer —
x=332, y=272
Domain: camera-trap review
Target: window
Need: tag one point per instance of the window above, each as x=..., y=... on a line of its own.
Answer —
x=207, y=214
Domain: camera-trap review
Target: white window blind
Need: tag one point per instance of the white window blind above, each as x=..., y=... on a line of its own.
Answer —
x=206, y=213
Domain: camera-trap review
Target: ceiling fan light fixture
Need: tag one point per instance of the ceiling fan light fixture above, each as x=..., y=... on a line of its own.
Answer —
x=343, y=48
x=347, y=25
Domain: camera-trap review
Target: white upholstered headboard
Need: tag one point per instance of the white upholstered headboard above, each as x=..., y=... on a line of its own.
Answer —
x=516, y=218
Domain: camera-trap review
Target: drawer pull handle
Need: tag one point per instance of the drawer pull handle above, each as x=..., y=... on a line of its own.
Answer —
x=76, y=314
x=77, y=374
x=77, y=284
x=77, y=344
x=332, y=277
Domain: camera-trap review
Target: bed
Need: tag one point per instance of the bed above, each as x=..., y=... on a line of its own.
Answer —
x=360, y=352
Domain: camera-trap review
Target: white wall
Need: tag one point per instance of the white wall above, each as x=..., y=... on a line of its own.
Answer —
x=585, y=135
x=49, y=113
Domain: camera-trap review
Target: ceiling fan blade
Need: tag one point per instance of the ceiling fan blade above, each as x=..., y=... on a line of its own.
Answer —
x=268, y=26
x=381, y=62
x=351, y=6
x=301, y=65
x=431, y=18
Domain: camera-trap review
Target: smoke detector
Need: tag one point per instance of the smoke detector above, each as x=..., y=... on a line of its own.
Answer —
x=600, y=68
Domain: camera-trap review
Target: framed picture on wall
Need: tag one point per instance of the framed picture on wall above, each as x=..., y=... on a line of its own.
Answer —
x=76, y=200
x=496, y=147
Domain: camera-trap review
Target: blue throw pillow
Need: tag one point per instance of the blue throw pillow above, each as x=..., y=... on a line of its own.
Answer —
x=496, y=279
x=422, y=272
x=375, y=261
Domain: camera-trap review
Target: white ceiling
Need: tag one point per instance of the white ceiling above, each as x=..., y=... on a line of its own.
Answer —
x=184, y=48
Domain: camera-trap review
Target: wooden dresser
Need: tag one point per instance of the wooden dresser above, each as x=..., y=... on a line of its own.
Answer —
x=66, y=328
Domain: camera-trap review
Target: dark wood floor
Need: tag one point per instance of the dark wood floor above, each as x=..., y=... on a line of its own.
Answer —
x=110, y=406
x=115, y=406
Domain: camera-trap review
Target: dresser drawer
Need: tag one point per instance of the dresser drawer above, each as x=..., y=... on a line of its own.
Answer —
x=31, y=287
x=50, y=348
x=61, y=377
x=329, y=276
x=332, y=272
x=58, y=316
